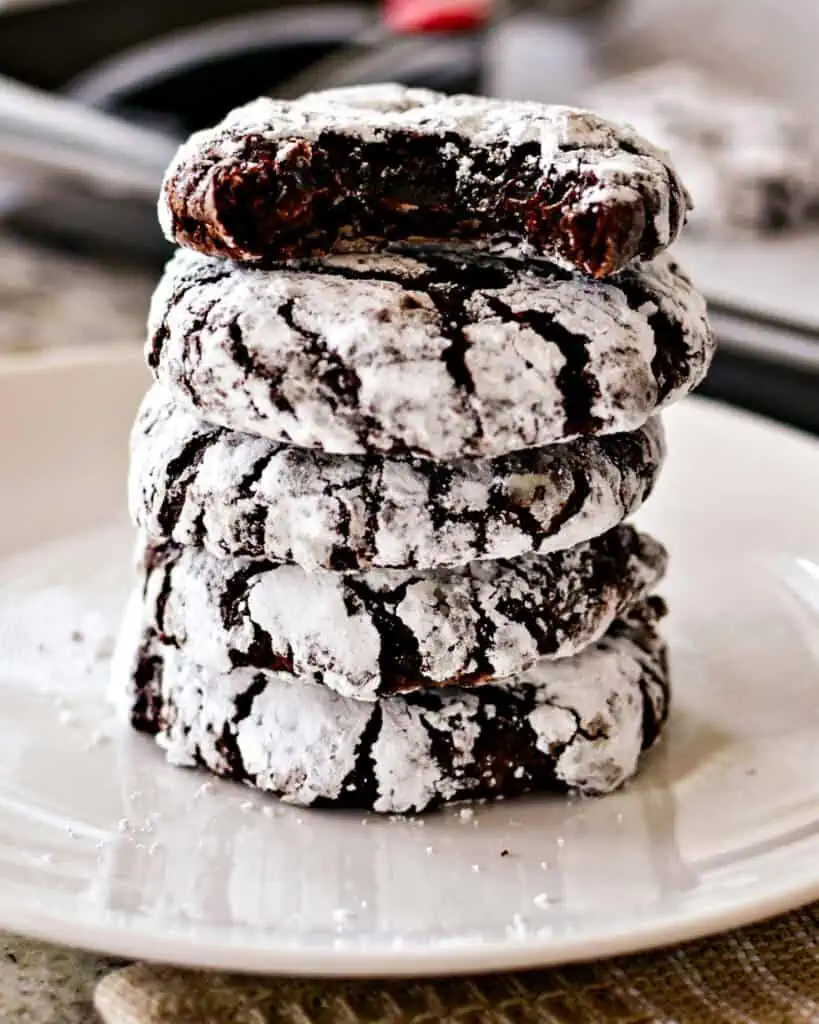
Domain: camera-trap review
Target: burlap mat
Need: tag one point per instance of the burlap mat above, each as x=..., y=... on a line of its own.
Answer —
x=766, y=974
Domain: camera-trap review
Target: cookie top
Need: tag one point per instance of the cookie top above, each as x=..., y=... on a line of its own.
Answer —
x=351, y=168
x=578, y=724
x=751, y=163
x=243, y=496
x=433, y=353
x=390, y=630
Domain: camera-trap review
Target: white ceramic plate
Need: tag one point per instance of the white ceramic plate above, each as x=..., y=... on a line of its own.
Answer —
x=103, y=845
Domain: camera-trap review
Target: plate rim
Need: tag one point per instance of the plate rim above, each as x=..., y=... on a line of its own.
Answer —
x=201, y=949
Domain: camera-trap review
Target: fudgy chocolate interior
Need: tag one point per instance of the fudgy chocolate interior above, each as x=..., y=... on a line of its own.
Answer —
x=406, y=186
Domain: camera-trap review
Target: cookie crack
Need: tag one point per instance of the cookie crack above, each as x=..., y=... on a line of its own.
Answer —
x=156, y=563
x=371, y=496
x=449, y=299
x=500, y=506
x=588, y=733
x=250, y=368
x=233, y=611
x=192, y=277
x=360, y=786
x=249, y=479
x=574, y=504
x=149, y=708
x=399, y=656
x=180, y=473
x=254, y=519
x=227, y=744
x=342, y=557
x=340, y=379
x=577, y=383
x=672, y=359
x=243, y=701
x=540, y=621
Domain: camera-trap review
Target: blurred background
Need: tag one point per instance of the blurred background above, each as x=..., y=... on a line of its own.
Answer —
x=95, y=94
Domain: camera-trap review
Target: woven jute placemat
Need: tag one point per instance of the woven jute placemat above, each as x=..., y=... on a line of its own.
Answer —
x=765, y=974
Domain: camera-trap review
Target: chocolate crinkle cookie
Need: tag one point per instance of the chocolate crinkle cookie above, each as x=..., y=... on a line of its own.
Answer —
x=433, y=353
x=390, y=630
x=242, y=496
x=579, y=724
x=752, y=164
x=352, y=168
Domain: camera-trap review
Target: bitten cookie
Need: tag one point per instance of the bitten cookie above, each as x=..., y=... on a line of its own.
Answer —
x=242, y=496
x=577, y=724
x=750, y=163
x=437, y=354
x=352, y=168
x=389, y=630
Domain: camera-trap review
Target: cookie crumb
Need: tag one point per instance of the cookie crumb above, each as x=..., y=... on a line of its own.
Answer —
x=504, y=853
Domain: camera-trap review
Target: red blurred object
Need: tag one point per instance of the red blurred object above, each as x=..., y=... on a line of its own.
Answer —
x=420, y=16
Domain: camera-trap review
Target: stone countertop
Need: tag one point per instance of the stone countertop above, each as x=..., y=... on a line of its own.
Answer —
x=42, y=984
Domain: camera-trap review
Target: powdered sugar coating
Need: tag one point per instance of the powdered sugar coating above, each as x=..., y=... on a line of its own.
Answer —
x=243, y=496
x=572, y=159
x=577, y=724
x=434, y=353
x=370, y=112
x=390, y=630
x=750, y=162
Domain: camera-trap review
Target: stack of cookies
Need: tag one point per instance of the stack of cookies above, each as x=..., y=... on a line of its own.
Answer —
x=408, y=366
